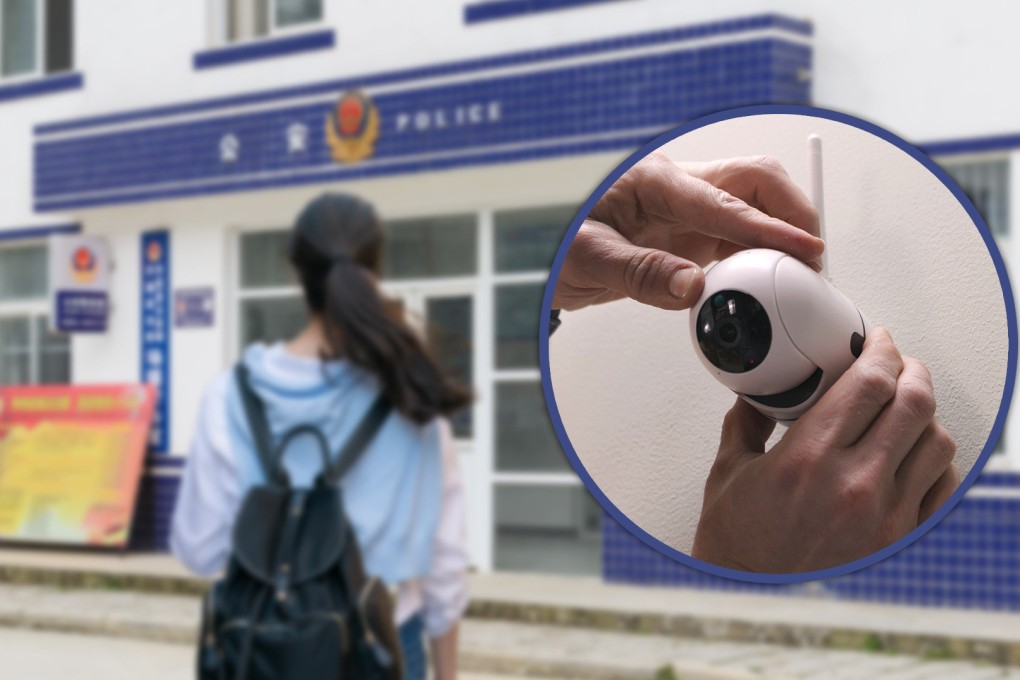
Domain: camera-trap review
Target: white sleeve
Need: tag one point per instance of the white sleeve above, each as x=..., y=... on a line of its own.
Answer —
x=445, y=588
x=209, y=494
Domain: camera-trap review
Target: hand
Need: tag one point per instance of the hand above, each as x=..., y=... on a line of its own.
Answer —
x=651, y=233
x=858, y=471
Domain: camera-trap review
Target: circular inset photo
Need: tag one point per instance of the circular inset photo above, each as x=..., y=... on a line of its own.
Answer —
x=778, y=344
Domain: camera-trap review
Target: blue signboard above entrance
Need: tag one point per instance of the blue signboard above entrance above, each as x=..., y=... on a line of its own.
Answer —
x=609, y=95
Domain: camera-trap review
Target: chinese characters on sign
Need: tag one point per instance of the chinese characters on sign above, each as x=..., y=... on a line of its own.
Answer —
x=155, y=331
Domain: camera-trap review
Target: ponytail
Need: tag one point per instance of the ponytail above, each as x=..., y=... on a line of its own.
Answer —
x=336, y=248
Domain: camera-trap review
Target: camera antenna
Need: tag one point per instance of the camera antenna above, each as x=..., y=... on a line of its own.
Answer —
x=817, y=193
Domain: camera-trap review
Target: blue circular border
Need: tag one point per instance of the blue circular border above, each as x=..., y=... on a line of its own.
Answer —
x=735, y=574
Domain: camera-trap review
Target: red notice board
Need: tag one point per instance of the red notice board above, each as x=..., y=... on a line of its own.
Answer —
x=71, y=458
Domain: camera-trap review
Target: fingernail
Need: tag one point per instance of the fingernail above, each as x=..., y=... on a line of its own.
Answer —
x=681, y=283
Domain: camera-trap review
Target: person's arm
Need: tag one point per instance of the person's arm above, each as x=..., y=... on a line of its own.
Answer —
x=858, y=471
x=650, y=234
x=445, y=588
x=209, y=493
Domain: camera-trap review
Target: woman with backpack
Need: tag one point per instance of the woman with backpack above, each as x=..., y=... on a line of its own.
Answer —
x=403, y=495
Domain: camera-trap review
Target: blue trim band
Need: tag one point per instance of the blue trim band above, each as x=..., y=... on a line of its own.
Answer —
x=265, y=49
x=682, y=34
x=27, y=233
x=973, y=145
x=41, y=86
x=505, y=9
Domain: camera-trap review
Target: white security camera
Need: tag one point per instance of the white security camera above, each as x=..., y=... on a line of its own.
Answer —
x=774, y=331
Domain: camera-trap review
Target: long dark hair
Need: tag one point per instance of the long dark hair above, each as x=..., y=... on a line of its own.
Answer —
x=336, y=249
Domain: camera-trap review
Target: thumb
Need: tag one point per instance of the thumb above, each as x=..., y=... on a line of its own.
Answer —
x=653, y=277
x=745, y=430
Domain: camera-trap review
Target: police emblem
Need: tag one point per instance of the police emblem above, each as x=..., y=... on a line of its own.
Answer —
x=352, y=127
x=83, y=265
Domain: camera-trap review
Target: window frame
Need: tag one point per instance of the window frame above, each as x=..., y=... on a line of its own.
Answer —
x=33, y=309
x=495, y=279
x=273, y=31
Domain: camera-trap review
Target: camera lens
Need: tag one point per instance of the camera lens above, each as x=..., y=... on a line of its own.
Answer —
x=727, y=333
x=734, y=331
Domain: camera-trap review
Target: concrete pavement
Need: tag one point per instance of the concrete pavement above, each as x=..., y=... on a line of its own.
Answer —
x=39, y=655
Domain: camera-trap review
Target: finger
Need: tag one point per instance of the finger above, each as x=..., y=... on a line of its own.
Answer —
x=650, y=276
x=846, y=411
x=939, y=493
x=926, y=463
x=745, y=430
x=709, y=210
x=894, y=433
x=770, y=189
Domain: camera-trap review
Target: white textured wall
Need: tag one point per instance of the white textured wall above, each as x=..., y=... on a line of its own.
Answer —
x=644, y=415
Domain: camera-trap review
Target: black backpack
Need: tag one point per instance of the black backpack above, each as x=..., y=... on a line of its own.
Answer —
x=294, y=602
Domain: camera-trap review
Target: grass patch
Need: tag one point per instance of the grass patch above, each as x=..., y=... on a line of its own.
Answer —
x=665, y=673
x=872, y=643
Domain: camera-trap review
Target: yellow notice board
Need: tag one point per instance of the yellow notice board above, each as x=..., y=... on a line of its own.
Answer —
x=71, y=458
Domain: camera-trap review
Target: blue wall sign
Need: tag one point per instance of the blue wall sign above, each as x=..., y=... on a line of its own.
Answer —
x=561, y=101
x=81, y=311
x=155, y=330
x=194, y=307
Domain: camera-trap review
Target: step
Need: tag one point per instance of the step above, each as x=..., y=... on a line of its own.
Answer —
x=579, y=602
x=489, y=649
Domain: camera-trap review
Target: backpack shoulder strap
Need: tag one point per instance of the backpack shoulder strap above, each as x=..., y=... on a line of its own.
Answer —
x=259, y=425
x=363, y=435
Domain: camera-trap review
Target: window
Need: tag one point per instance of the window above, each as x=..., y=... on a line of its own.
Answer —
x=544, y=520
x=249, y=19
x=986, y=183
x=29, y=352
x=36, y=37
x=526, y=240
x=431, y=248
x=547, y=528
x=271, y=306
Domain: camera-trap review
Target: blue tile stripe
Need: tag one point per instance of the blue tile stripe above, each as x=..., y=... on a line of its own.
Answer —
x=1001, y=480
x=366, y=172
x=988, y=144
x=164, y=462
x=971, y=559
x=537, y=56
x=29, y=233
x=505, y=9
x=154, y=507
x=265, y=49
x=569, y=109
x=41, y=86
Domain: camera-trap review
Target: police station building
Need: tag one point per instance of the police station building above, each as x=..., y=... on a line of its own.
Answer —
x=185, y=136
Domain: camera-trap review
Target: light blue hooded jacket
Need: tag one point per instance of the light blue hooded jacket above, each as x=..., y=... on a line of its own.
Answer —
x=393, y=495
